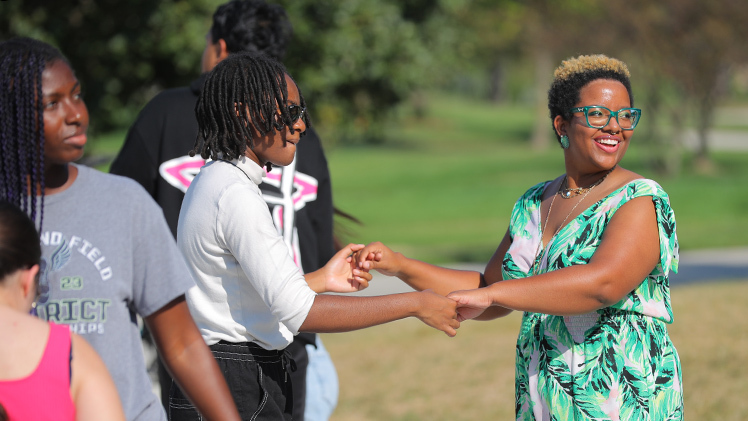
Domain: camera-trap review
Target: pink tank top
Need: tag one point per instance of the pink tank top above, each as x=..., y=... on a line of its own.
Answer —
x=45, y=393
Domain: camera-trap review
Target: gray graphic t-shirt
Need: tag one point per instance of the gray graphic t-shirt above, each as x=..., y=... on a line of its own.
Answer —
x=108, y=255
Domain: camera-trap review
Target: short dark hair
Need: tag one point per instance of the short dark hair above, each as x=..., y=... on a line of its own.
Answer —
x=575, y=73
x=22, y=61
x=19, y=240
x=253, y=26
x=242, y=92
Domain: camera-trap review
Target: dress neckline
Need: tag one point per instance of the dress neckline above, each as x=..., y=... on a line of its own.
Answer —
x=539, y=201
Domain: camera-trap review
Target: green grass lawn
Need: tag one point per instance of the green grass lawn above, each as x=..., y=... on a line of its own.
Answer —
x=444, y=189
x=441, y=188
x=406, y=371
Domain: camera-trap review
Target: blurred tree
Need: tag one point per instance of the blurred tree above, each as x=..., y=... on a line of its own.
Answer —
x=122, y=51
x=542, y=31
x=689, y=44
x=489, y=35
x=556, y=30
x=358, y=59
x=680, y=50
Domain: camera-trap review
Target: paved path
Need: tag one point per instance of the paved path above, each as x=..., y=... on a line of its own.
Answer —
x=719, y=140
x=695, y=266
x=711, y=265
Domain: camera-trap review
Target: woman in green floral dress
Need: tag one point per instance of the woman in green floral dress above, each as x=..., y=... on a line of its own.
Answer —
x=586, y=258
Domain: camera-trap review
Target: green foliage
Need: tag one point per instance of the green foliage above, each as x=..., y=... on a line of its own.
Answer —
x=123, y=52
x=688, y=45
x=356, y=60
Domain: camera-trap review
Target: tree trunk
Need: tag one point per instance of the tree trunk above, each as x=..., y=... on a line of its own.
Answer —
x=702, y=151
x=710, y=97
x=543, y=69
x=702, y=162
x=664, y=147
x=496, y=82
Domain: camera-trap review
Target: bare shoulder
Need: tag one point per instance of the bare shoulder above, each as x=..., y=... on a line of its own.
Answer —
x=617, y=179
x=86, y=361
x=92, y=388
x=81, y=347
x=552, y=186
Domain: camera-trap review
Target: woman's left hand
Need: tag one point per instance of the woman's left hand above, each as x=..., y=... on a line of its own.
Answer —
x=471, y=303
x=342, y=273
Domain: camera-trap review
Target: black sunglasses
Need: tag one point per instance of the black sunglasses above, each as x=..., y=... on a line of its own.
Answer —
x=296, y=112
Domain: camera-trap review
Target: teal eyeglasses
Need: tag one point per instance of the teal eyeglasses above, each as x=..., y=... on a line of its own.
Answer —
x=598, y=116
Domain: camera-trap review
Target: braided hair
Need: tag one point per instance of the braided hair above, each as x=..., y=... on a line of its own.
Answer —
x=19, y=241
x=574, y=74
x=22, y=61
x=244, y=91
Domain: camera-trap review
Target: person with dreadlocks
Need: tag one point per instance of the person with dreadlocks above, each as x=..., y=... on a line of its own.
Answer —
x=155, y=154
x=251, y=299
x=42, y=361
x=107, y=254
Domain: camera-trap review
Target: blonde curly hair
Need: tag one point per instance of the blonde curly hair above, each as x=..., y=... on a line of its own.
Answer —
x=589, y=63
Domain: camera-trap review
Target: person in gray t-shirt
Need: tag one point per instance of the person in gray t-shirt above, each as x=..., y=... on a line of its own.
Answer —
x=107, y=252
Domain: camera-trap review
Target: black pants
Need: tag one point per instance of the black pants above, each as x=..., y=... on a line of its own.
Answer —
x=258, y=379
x=297, y=351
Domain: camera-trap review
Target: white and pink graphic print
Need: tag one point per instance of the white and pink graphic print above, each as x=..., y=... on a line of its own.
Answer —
x=179, y=172
x=295, y=193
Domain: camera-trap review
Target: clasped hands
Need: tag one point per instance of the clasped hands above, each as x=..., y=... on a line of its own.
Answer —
x=349, y=271
x=468, y=303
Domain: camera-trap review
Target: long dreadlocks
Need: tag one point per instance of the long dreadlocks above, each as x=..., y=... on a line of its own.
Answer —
x=22, y=61
x=243, y=91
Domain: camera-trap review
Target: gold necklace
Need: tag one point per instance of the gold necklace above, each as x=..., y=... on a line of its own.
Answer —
x=536, y=265
x=567, y=193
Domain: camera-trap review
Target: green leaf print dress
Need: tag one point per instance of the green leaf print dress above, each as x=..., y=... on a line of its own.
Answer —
x=616, y=363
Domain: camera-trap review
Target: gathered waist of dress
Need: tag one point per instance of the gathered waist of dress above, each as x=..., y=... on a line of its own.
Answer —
x=602, y=316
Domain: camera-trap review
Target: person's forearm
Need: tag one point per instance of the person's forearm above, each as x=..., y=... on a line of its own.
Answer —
x=569, y=291
x=493, y=313
x=333, y=313
x=197, y=374
x=190, y=362
x=421, y=275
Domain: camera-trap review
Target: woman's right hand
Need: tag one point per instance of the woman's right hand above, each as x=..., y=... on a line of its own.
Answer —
x=471, y=303
x=438, y=312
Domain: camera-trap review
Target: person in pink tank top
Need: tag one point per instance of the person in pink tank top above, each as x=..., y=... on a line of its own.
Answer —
x=46, y=372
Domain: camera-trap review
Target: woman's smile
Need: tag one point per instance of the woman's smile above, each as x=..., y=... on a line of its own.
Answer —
x=608, y=143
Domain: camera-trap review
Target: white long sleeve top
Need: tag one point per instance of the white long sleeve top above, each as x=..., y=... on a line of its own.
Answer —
x=248, y=288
